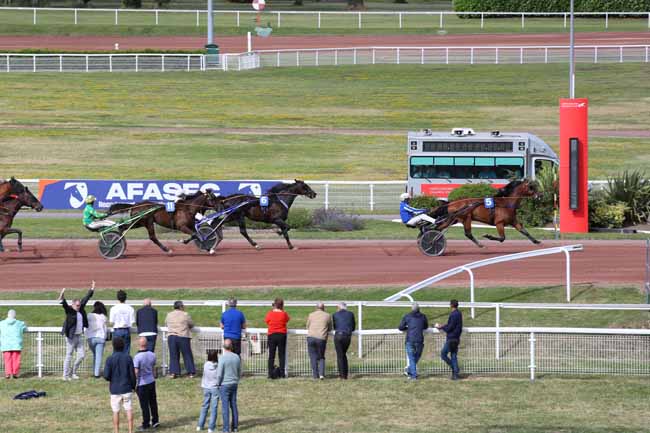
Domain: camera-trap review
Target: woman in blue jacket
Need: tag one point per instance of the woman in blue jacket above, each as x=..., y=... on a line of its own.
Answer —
x=11, y=343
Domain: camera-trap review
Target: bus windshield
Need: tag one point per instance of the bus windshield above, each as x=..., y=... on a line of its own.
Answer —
x=466, y=167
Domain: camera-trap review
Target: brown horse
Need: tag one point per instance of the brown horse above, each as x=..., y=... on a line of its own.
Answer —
x=9, y=207
x=10, y=186
x=181, y=219
x=504, y=213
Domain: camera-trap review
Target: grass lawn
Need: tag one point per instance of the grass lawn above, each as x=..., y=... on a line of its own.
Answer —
x=344, y=122
x=594, y=405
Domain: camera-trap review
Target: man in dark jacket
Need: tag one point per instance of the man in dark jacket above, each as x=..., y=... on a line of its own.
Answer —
x=73, y=327
x=120, y=373
x=453, y=328
x=147, y=321
x=414, y=323
x=344, y=326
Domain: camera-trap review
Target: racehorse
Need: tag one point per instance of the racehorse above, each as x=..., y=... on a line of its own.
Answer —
x=10, y=186
x=504, y=213
x=280, y=199
x=9, y=207
x=181, y=219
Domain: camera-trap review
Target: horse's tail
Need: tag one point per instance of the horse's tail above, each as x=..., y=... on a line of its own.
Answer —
x=119, y=208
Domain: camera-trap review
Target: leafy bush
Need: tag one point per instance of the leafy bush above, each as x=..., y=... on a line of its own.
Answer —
x=551, y=5
x=633, y=190
x=537, y=212
x=132, y=4
x=336, y=220
x=299, y=219
x=424, y=202
x=472, y=190
x=604, y=214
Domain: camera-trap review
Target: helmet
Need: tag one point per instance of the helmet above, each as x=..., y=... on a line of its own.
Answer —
x=404, y=196
x=90, y=199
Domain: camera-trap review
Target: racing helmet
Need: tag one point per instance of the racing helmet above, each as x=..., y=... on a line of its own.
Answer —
x=90, y=199
x=404, y=196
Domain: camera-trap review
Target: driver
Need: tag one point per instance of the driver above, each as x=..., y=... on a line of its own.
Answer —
x=411, y=216
x=92, y=219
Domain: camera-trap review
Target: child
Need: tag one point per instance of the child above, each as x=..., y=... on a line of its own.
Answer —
x=210, y=393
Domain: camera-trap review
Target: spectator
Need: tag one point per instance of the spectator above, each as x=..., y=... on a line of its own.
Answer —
x=453, y=328
x=146, y=320
x=211, y=393
x=122, y=316
x=228, y=375
x=319, y=324
x=121, y=376
x=344, y=326
x=414, y=323
x=232, y=323
x=73, y=326
x=96, y=334
x=277, y=320
x=144, y=364
x=11, y=343
x=179, y=325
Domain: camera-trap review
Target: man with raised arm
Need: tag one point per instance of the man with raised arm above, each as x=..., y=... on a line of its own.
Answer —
x=73, y=328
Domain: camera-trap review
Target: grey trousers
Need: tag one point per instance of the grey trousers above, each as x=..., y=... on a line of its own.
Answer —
x=316, y=348
x=73, y=344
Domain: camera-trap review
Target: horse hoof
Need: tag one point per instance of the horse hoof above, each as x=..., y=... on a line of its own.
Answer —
x=258, y=248
x=481, y=246
x=169, y=252
x=211, y=252
x=292, y=248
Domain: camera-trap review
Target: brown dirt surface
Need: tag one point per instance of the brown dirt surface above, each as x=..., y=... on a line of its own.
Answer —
x=52, y=264
x=237, y=44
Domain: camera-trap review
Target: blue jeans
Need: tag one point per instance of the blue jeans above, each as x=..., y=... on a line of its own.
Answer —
x=96, y=346
x=413, y=352
x=229, y=403
x=210, y=400
x=151, y=343
x=124, y=334
x=451, y=346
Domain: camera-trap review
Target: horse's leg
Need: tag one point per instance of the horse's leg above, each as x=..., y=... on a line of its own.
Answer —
x=242, y=229
x=467, y=225
x=20, y=237
x=520, y=228
x=284, y=230
x=2, y=235
x=500, y=230
x=152, y=236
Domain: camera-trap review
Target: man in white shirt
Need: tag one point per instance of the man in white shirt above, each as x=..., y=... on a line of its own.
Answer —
x=122, y=316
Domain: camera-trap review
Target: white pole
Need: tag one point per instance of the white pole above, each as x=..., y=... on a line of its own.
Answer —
x=116, y=18
x=532, y=352
x=197, y=17
x=75, y=17
x=471, y=291
x=440, y=19
x=522, y=21
x=360, y=326
x=237, y=18
x=156, y=16
x=606, y=20
x=34, y=16
x=372, y=197
x=496, y=56
x=400, y=20
x=481, y=21
x=327, y=196
x=279, y=20
x=319, y=20
x=568, y=275
x=359, y=19
x=39, y=340
x=250, y=43
x=572, y=77
x=210, y=24
x=497, y=342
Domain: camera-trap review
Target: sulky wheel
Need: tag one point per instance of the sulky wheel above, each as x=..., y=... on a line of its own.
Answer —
x=432, y=243
x=112, y=245
x=207, y=238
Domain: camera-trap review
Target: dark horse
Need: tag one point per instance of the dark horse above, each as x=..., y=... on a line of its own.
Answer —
x=10, y=186
x=181, y=219
x=9, y=207
x=281, y=197
x=506, y=202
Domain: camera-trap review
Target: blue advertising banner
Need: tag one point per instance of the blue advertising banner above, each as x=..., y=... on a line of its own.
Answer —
x=71, y=193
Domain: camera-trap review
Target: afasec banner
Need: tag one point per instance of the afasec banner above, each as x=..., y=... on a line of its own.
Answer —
x=71, y=193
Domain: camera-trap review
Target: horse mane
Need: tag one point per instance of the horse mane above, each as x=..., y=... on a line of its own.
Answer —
x=279, y=187
x=192, y=196
x=509, y=189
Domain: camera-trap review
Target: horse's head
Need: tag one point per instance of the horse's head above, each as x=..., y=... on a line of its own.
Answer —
x=301, y=188
x=28, y=199
x=521, y=188
x=16, y=186
x=211, y=199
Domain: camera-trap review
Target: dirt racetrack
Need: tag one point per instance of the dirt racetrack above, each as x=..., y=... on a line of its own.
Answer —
x=52, y=264
x=237, y=44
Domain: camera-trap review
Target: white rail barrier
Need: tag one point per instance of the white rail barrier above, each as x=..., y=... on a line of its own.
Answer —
x=443, y=55
x=522, y=351
x=296, y=19
x=491, y=261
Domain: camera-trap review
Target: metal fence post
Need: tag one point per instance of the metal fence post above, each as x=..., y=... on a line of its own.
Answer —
x=422, y=56
x=39, y=352
x=327, y=196
x=440, y=20
x=497, y=342
x=279, y=20
x=481, y=21
x=359, y=19
x=606, y=20
x=297, y=58
x=75, y=17
x=319, y=20
x=373, y=55
x=471, y=56
x=398, y=55
x=116, y=18
x=60, y=63
x=286, y=357
x=496, y=56
x=165, y=355
x=400, y=20
x=34, y=16
x=568, y=275
x=565, y=20
x=317, y=52
x=471, y=290
x=336, y=57
x=372, y=197
x=197, y=17
x=620, y=54
x=34, y=63
x=137, y=58
x=595, y=54
x=545, y=54
x=156, y=16
x=354, y=56
x=521, y=56
x=532, y=356
x=237, y=18
x=360, y=329
x=523, y=25
x=86, y=62
x=447, y=55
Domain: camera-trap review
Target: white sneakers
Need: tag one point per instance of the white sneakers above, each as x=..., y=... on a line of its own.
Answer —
x=75, y=377
x=66, y=378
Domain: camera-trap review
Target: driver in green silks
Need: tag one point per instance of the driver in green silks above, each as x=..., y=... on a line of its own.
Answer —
x=93, y=219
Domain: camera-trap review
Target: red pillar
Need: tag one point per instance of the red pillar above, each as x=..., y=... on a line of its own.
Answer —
x=574, y=172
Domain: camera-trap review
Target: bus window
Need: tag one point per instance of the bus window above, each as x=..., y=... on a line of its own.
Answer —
x=485, y=168
x=444, y=168
x=507, y=168
x=542, y=164
x=421, y=167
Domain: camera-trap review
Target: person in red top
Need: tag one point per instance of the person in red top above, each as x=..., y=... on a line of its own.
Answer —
x=277, y=320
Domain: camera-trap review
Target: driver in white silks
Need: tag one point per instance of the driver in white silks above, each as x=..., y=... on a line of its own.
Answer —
x=411, y=216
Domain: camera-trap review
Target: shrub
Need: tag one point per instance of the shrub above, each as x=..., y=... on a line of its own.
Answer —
x=299, y=218
x=604, y=214
x=472, y=190
x=537, y=212
x=424, y=202
x=633, y=190
x=336, y=220
x=551, y=5
x=132, y=4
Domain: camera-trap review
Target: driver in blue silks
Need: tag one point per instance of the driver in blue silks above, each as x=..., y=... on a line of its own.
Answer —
x=411, y=215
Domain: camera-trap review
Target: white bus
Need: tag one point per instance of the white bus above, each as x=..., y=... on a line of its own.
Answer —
x=439, y=162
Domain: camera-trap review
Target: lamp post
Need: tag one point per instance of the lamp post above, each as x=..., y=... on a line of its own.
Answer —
x=212, y=50
x=572, y=72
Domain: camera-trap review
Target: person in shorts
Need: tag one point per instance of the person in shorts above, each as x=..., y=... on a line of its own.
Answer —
x=120, y=373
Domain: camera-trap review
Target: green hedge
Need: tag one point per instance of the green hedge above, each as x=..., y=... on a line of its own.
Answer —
x=473, y=190
x=424, y=202
x=551, y=5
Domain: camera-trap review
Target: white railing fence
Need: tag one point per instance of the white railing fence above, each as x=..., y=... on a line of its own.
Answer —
x=529, y=351
x=479, y=55
x=307, y=19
